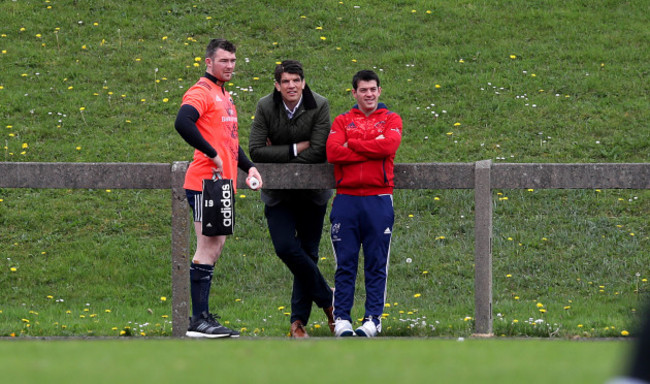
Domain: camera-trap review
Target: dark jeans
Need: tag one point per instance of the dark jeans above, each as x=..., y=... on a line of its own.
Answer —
x=295, y=228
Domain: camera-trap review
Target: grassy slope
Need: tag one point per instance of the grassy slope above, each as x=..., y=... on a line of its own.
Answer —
x=537, y=82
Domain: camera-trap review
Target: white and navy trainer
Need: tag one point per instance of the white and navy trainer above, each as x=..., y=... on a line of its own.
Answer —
x=367, y=329
x=342, y=328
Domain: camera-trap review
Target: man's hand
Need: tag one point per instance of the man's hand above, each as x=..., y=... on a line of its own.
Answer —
x=218, y=163
x=301, y=146
x=254, y=174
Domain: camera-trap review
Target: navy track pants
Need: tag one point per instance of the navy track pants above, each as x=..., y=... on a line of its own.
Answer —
x=361, y=221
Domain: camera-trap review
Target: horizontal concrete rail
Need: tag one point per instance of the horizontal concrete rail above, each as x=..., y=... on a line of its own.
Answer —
x=85, y=175
x=482, y=176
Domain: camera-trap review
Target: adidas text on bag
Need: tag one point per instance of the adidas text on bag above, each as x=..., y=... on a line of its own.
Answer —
x=218, y=205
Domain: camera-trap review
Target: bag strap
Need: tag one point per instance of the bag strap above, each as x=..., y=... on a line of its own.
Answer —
x=216, y=175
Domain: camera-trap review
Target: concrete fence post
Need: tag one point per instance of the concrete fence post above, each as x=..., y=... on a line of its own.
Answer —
x=180, y=251
x=483, y=248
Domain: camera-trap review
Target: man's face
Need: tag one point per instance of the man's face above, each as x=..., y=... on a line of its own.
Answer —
x=367, y=95
x=290, y=86
x=221, y=65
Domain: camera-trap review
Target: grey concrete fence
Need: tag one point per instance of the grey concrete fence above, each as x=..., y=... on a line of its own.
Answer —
x=482, y=176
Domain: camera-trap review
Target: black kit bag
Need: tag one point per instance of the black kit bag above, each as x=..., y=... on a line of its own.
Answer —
x=218, y=203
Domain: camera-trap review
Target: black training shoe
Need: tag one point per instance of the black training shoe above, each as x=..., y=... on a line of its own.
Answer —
x=206, y=325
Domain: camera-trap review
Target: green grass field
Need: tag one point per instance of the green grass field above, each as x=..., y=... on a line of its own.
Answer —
x=511, y=81
x=315, y=361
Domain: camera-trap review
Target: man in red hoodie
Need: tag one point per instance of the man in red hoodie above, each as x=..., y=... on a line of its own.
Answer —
x=362, y=145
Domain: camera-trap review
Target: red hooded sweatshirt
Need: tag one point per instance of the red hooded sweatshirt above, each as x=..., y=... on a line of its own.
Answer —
x=365, y=166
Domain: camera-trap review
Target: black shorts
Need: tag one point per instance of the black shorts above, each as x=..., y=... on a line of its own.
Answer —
x=194, y=200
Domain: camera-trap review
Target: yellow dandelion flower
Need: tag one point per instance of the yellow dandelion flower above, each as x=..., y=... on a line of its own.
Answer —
x=513, y=56
x=425, y=272
x=449, y=133
x=540, y=305
x=413, y=11
x=319, y=28
x=323, y=38
x=163, y=298
x=387, y=305
x=461, y=61
x=438, y=86
x=13, y=269
x=411, y=215
x=542, y=310
x=165, y=100
x=567, y=307
x=625, y=333
x=50, y=297
x=417, y=295
x=508, y=275
x=428, y=12
x=280, y=308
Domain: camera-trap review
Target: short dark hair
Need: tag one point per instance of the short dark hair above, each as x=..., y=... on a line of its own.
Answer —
x=289, y=66
x=364, y=75
x=219, y=44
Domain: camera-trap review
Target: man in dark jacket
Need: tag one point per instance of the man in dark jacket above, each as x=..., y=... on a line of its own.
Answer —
x=291, y=125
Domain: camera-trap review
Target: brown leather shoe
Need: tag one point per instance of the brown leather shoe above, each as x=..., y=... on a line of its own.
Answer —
x=329, y=312
x=298, y=330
